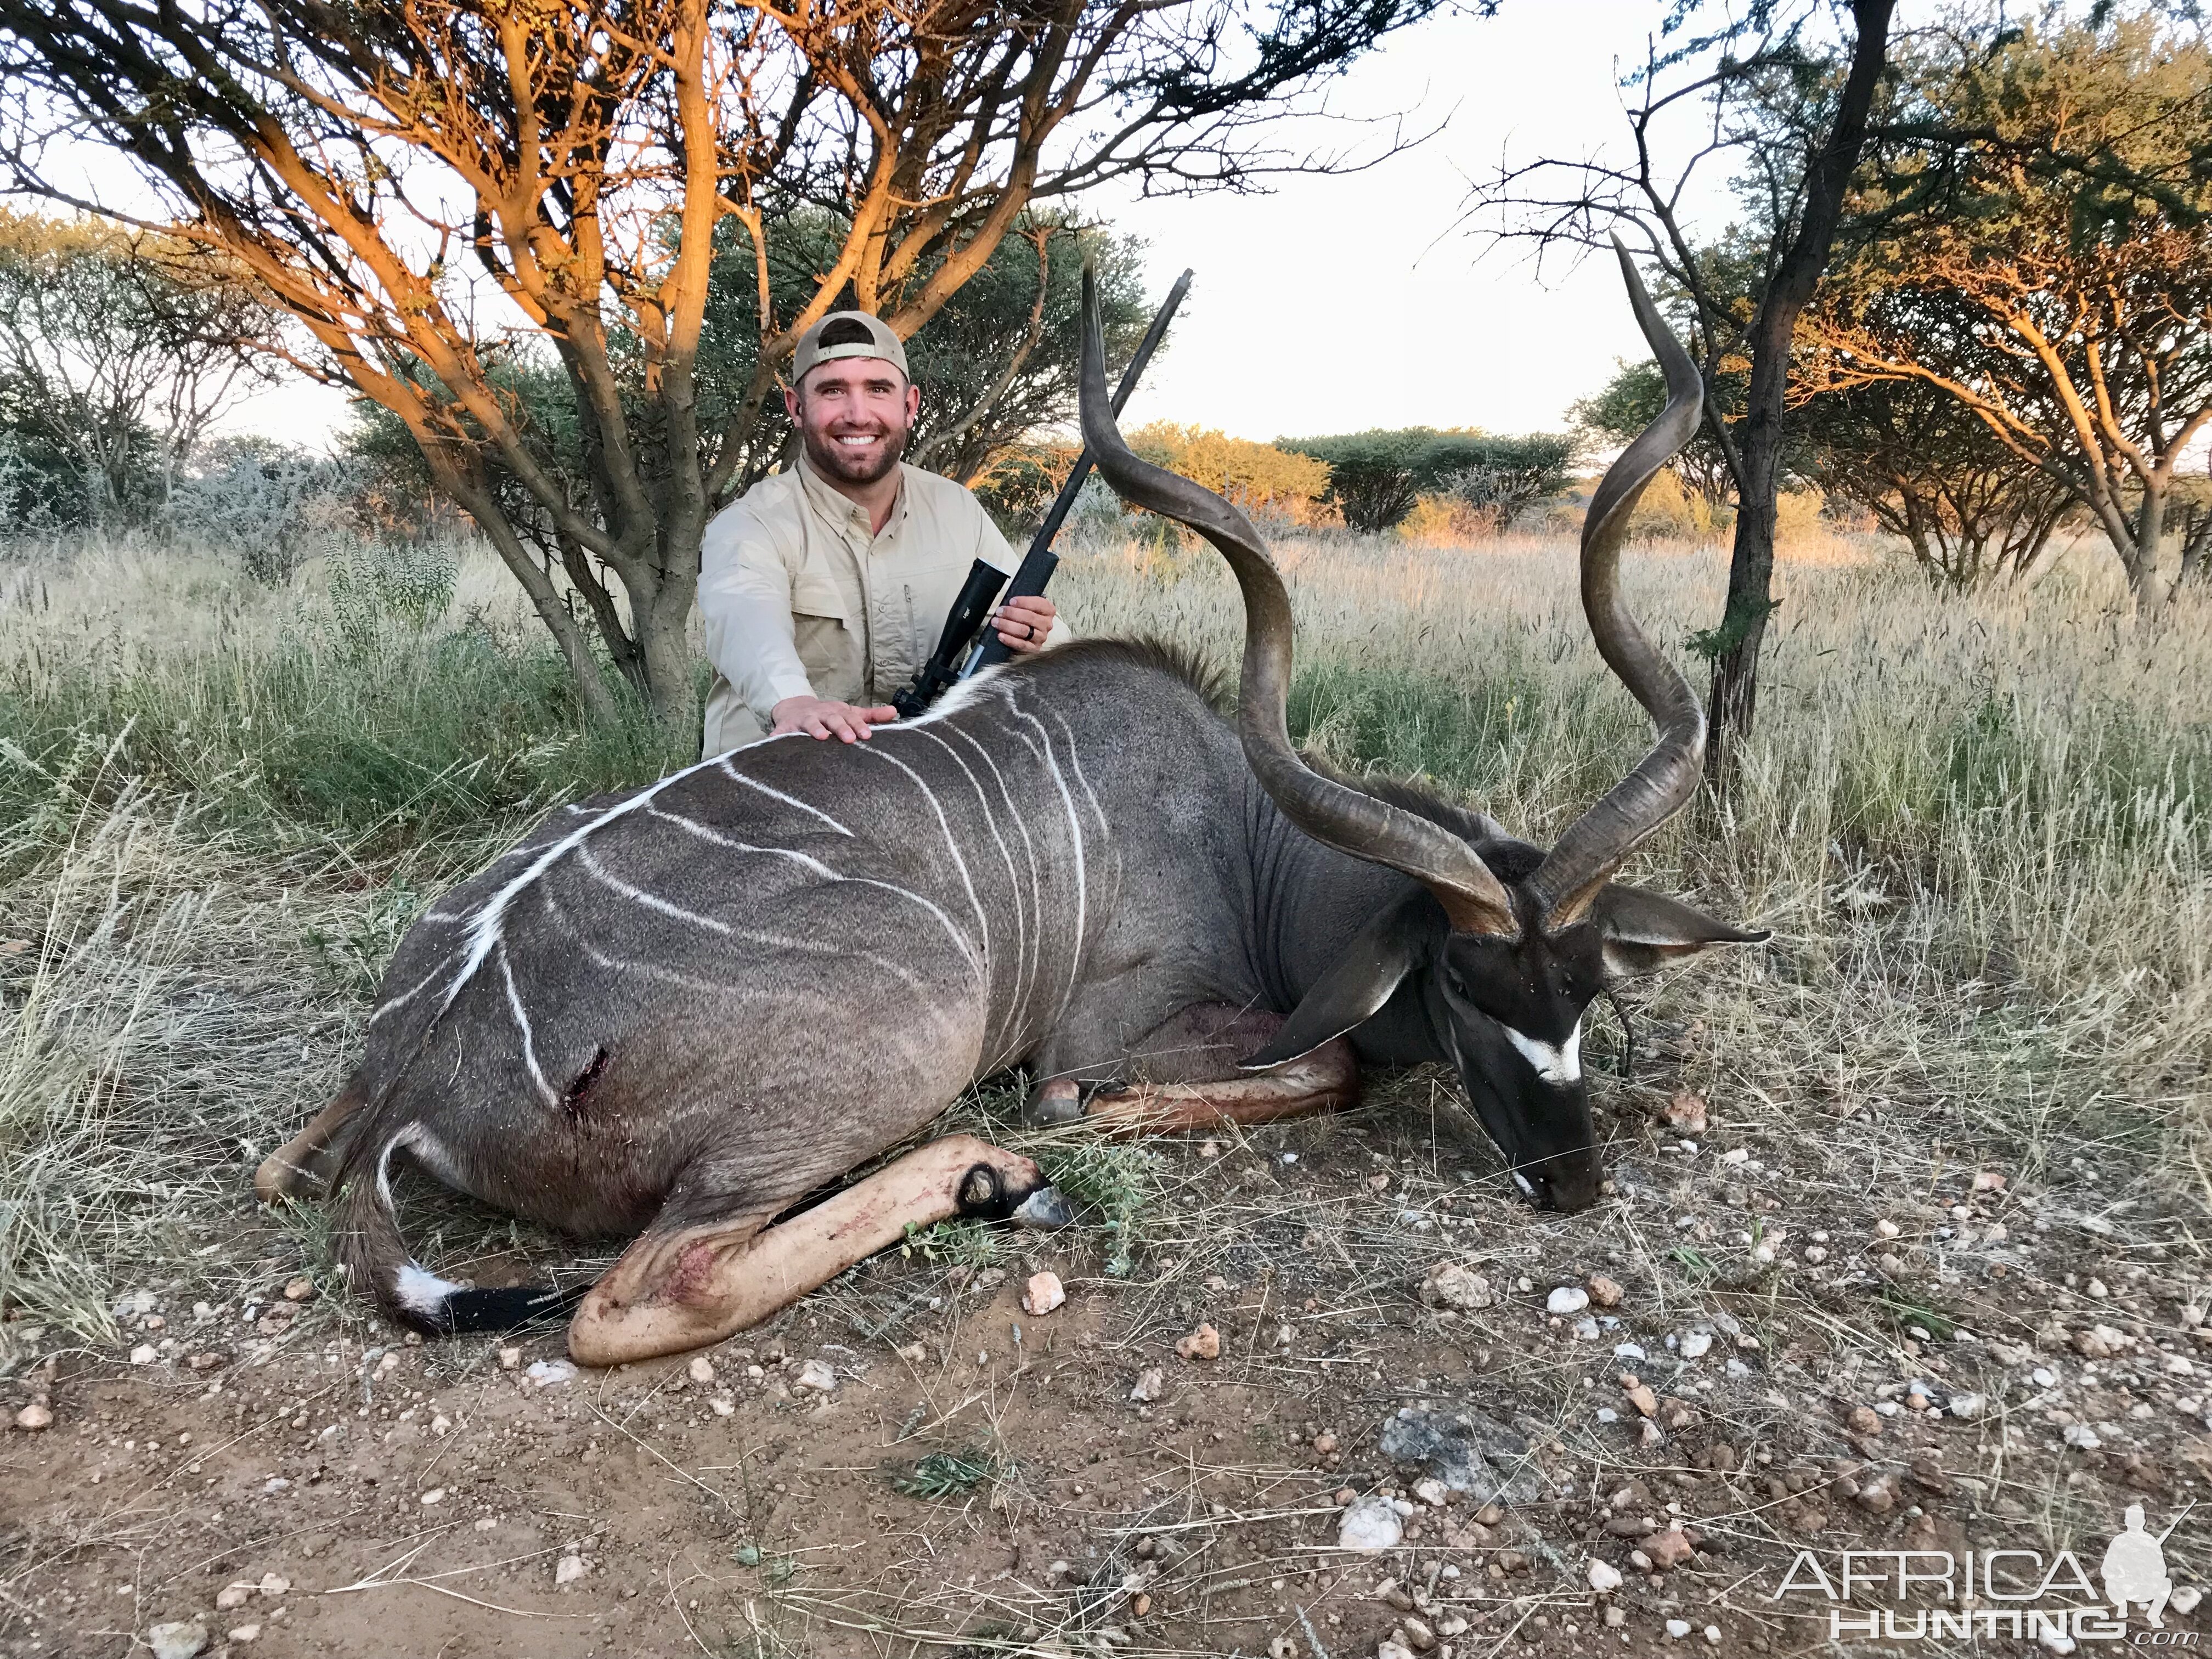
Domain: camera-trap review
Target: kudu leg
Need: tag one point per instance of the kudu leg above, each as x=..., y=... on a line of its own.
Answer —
x=685, y=1288
x=302, y=1166
x=1327, y=1078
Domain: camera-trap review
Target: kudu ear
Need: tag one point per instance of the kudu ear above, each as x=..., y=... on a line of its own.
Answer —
x=1401, y=938
x=1643, y=933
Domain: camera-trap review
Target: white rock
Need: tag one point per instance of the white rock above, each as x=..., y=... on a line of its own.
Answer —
x=1149, y=1384
x=1604, y=1577
x=817, y=1375
x=1696, y=1344
x=1432, y=1491
x=1677, y=1629
x=179, y=1639
x=2185, y=1599
x=2057, y=1642
x=2082, y=1436
x=273, y=1585
x=435, y=1495
x=1969, y=1407
x=550, y=1373
x=232, y=1595
x=146, y=1354
x=572, y=1568
x=1628, y=1351
x=1045, y=1292
x=1606, y=1414
x=1386, y=1648
x=1370, y=1525
x=510, y=1358
x=35, y=1417
x=722, y=1406
x=1452, y=1284
x=700, y=1369
x=441, y=1424
x=1567, y=1299
x=1713, y=1634
x=243, y=1634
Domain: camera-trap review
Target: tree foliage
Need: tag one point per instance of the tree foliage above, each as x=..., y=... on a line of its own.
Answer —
x=1265, y=480
x=117, y=350
x=1374, y=477
x=2053, y=274
x=451, y=198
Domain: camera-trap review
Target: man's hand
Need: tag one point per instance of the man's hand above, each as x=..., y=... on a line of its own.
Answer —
x=1024, y=623
x=821, y=717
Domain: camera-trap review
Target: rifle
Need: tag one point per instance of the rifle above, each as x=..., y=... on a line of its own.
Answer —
x=958, y=654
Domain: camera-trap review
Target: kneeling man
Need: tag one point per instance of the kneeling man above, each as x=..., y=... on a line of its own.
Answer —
x=824, y=588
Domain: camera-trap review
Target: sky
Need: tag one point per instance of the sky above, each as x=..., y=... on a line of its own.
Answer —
x=1338, y=303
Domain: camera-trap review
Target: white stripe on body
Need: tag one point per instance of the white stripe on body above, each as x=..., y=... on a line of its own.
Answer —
x=522, y=1023
x=951, y=840
x=737, y=776
x=1075, y=833
x=1029, y=851
x=1022, y=950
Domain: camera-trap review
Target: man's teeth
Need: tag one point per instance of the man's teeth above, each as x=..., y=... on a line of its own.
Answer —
x=860, y=442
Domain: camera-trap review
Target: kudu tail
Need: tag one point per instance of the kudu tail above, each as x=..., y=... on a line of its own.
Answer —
x=377, y=1260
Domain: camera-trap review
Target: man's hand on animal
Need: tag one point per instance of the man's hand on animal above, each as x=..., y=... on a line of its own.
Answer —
x=1024, y=623
x=824, y=717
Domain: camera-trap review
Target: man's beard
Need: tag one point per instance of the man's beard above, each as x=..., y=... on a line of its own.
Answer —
x=866, y=467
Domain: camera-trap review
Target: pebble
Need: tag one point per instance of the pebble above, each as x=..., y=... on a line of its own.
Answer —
x=144, y=1354
x=1149, y=1384
x=1815, y=1254
x=1567, y=1299
x=232, y=1595
x=2184, y=1599
x=700, y=1369
x=1886, y=1228
x=572, y=1568
x=435, y=1495
x=1370, y=1525
x=1603, y=1291
x=1204, y=1343
x=1045, y=1292
x=914, y=1353
x=1432, y=1491
x=1604, y=1577
x=1686, y=1112
x=510, y=1358
x=1864, y=1420
x=1669, y=1549
x=299, y=1289
x=273, y=1585
x=1640, y=1396
x=243, y=1634
x=1713, y=1634
x=35, y=1417
x=1969, y=1407
x=817, y=1375
x=1677, y=1629
x=1452, y=1284
x=179, y=1639
x=550, y=1373
x=1696, y=1344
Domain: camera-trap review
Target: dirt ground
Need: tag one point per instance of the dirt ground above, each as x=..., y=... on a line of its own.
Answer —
x=2000, y=1360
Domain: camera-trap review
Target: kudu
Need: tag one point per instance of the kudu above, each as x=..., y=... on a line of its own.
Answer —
x=685, y=1008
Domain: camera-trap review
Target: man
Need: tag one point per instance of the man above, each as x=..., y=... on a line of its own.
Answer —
x=825, y=588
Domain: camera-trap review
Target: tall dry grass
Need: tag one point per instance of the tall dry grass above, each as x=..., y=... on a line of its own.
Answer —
x=1978, y=827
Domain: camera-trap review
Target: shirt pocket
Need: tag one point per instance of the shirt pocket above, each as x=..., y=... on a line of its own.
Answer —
x=817, y=596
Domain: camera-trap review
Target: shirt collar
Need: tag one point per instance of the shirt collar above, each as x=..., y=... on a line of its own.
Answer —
x=839, y=508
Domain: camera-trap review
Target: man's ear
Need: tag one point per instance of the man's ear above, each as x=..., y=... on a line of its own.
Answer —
x=1402, y=937
x=1643, y=932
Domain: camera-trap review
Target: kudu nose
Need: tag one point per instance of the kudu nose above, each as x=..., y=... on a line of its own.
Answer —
x=1567, y=1183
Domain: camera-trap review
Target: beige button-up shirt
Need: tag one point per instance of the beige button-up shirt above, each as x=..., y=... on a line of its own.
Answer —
x=799, y=597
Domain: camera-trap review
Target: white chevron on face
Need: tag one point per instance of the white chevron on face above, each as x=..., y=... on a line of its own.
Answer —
x=1557, y=1064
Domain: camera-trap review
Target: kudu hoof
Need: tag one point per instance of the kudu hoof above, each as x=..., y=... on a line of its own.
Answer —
x=1058, y=1102
x=985, y=1194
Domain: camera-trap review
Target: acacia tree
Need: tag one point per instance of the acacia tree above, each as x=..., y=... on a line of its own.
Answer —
x=433, y=188
x=1784, y=98
x=116, y=351
x=2064, y=304
x=1928, y=471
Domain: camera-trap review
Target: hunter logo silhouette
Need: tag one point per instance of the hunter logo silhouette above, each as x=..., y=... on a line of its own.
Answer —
x=2134, y=1569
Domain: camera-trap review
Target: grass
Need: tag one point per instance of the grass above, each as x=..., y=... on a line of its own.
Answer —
x=1981, y=828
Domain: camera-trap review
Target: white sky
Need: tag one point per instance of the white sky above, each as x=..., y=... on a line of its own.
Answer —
x=1335, y=304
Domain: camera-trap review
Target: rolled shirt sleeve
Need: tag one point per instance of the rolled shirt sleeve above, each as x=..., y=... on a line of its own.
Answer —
x=746, y=614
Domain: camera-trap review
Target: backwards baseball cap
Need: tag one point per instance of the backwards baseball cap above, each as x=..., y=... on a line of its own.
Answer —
x=847, y=334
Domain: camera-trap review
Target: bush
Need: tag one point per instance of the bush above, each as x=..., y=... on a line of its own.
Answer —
x=1375, y=477
x=1267, y=481
x=273, y=507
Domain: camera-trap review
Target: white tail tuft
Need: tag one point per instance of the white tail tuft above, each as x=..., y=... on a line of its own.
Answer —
x=423, y=1291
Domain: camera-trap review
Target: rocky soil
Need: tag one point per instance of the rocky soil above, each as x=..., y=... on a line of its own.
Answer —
x=1341, y=1396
